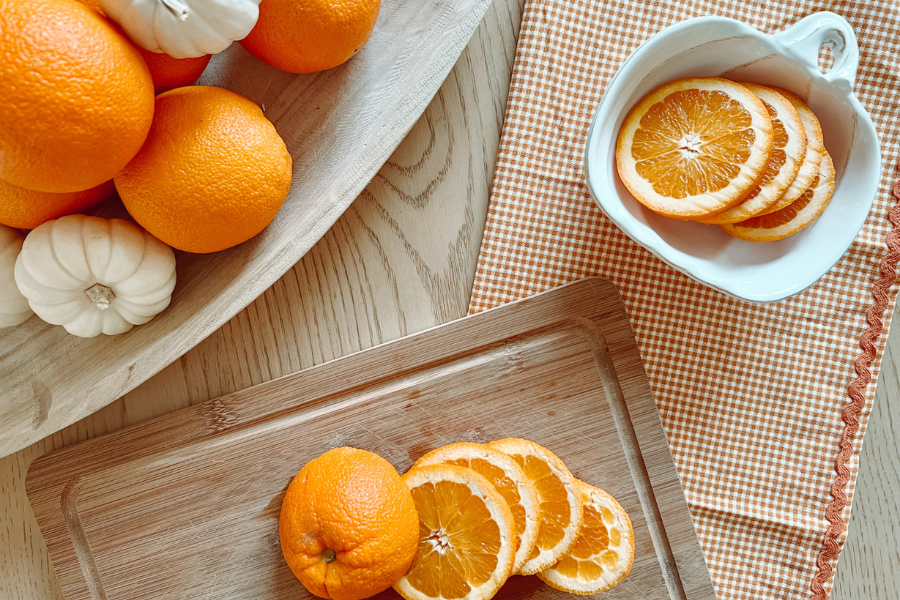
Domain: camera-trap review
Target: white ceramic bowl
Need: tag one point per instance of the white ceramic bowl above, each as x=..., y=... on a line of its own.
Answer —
x=707, y=46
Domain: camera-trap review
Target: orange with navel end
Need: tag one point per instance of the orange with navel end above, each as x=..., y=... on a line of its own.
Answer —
x=169, y=73
x=213, y=173
x=26, y=209
x=349, y=528
x=77, y=96
x=305, y=36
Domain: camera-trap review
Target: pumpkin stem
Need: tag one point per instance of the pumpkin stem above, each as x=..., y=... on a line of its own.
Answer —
x=100, y=295
x=177, y=8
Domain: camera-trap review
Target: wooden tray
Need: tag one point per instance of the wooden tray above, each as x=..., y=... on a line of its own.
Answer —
x=340, y=126
x=187, y=505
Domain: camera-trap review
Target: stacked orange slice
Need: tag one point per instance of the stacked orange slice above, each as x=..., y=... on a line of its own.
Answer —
x=711, y=150
x=510, y=507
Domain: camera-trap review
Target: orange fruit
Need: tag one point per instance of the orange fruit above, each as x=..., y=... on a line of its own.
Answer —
x=77, y=96
x=26, y=209
x=213, y=173
x=466, y=536
x=694, y=147
x=603, y=552
x=815, y=151
x=94, y=4
x=169, y=73
x=561, y=511
x=792, y=218
x=305, y=36
x=788, y=152
x=348, y=525
x=509, y=479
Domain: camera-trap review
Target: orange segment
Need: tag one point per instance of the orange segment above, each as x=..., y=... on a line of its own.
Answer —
x=603, y=552
x=789, y=149
x=510, y=481
x=466, y=533
x=812, y=158
x=561, y=512
x=694, y=147
x=792, y=218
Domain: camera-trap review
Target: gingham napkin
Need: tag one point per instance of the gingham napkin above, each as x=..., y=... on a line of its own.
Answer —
x=764, y=406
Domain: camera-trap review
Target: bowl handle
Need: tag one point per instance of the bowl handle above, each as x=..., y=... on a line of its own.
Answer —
x=809, y=34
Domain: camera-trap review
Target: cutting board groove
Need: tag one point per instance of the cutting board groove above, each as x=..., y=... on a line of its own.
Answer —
x=186, y=506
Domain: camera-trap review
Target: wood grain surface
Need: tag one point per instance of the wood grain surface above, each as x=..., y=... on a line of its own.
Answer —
x=187, y=505
x=401, y=260
x=339, y=125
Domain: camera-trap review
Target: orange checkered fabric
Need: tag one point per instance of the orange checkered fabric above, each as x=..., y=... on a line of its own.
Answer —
x=754, y=398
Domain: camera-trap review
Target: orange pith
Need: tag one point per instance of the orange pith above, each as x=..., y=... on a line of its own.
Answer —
x=469, y=528
x=77, y=96
x=785, y=215
x=789, y=220
x=348, y=525
x=778, y=157
x=667, y=145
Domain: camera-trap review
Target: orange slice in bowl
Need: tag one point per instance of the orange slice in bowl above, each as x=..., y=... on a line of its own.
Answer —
x=815, y=150
x=509, y=479
x=466, y=536
x=604, y=551
x=561, y=511
x=792, y=218
x=788, y=153
x=694, y=147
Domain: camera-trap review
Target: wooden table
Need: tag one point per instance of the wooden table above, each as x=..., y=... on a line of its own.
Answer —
x=400, y=260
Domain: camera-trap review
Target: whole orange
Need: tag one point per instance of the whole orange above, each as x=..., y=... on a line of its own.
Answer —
x=77, y=98
x=212, y=173
x=348, y=526
x=305, y=36
x=169, y=73
x=26, y=209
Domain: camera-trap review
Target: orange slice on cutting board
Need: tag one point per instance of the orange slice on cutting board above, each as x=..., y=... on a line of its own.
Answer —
x=510, y=480
x=815, y=151
x=788, y=154
x=792, y=218
x=694, y=147
x=603, y=552
x=561, y=511
x=466, y=536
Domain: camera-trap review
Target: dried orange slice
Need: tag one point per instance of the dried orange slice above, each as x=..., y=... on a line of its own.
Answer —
x=561, y=511
x=788, y=153
x=466, y=536
x=694, y=147
x=509, y=479
x=604, y=551
x=794, y=217
x=815, y=150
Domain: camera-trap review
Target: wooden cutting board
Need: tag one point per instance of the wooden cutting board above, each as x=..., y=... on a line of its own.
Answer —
x=187, y=505
x=340, y=126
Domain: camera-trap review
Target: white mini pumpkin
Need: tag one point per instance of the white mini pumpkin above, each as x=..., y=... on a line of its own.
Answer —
x=13, y=305
x=94, y=275
x=184, y=28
